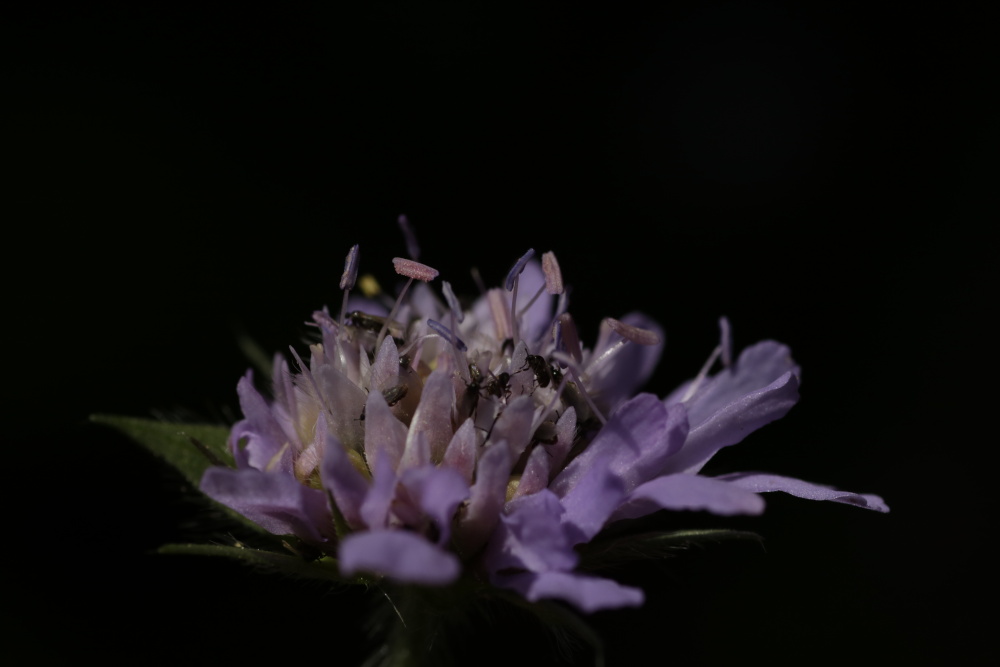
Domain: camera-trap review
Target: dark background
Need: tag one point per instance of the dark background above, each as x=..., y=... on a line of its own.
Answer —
x=819, y=175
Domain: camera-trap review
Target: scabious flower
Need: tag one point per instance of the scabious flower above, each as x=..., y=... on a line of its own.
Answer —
x=423, y=442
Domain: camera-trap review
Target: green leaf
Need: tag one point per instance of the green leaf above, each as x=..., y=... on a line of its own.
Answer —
x=177, y=444
x=324, y=569
x=601, y=554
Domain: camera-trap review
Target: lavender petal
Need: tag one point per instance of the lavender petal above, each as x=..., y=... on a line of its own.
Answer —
x=401, y=555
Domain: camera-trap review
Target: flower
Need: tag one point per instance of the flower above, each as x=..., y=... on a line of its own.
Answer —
x=421, y=441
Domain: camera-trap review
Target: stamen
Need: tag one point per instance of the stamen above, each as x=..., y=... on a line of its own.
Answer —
x=412, y=248
x=573, y=368
x=632, y=333
x=456, y=309
x=512, y=280
x=570, y=338
x=501, y=316
x=350, y=274
x=414, y=271
x=702, y=373
x=447, y=334
x=347, y=279
x=553, y=276
x=726, y=341
x=518, y=267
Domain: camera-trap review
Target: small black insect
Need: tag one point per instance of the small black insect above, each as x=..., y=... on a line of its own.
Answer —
x=392, y=395
x=541, y=368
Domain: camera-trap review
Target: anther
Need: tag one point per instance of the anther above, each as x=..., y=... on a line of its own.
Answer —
x=414, y=271
x=447, y=334
x=726, y=341
x=348, y=278
x=511, y=285
x=633, y=334
x=456, y=309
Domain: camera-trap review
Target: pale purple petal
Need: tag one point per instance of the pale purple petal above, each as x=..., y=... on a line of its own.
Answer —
x=586, y=593
x=275, y=501
x=536, y=472
x=264, y=435
x=417, y=452
x=486, y=499
x=385, y=435
x=437, y=492
x=385, y=368
x=514, y=425
x=343, y=401
x=433, y=415
x=730, y=424
x=638, y=439
x=764, y=483
x=532, y=535
x=461, y=453
x=565, y=433
x=592, y=500
x=348, y=486
x=689, y=492
x=400, y=555
x=375, y=508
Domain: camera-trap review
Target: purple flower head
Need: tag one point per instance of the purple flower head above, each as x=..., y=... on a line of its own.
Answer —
x=422, y=443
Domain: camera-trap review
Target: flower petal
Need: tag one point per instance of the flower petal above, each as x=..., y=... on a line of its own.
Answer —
x=385, y=435
x=375, y=508
x=276, y=501
x=531, y=535
x=345, y=482
x=514, y=425
x=433, y=414
x=638, y=439
x=736, y=404
x=486, y=499
x=438, y=493
x=461, y=452
x=588, y=594
x=264, y=435
x=536, y=473
x=401, y=555
x=764, y=483
x=689, y=492
x=592, y=500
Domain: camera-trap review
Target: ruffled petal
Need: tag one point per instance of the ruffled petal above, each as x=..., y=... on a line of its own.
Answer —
x=348, y=486
x=532, y=536
x=375, y=508
x=400, y=555
x=764, y=483
x=592, y=500
x=638, y=439
x=264, y=435
x=588, y=594
x=275, y=501
x=733, y=422
x=689, y=492
x=437, y=492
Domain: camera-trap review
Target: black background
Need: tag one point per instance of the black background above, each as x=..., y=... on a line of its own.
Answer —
x=818, y=175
